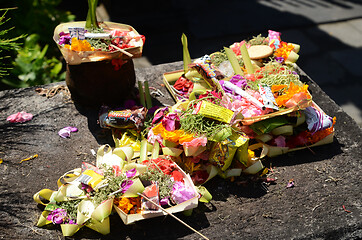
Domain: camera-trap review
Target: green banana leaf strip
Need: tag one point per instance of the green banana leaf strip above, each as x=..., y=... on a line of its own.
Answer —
x=268, y=125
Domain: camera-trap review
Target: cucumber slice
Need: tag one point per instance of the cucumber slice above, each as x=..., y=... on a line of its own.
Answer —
x=296, y=47
x=292, y=58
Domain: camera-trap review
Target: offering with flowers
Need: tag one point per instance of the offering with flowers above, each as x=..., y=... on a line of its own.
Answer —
x=99, y=58
x=256, y=83
x=91, y=41
x=233, y=109
x=86, y=196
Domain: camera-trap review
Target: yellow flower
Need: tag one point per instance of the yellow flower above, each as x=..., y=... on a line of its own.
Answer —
x=79, y=45
x=176, y=136
x=289, y=92
x=284, y=50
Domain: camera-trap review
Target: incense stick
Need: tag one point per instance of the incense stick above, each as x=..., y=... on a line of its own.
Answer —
x=164, y=210
x=122, y=51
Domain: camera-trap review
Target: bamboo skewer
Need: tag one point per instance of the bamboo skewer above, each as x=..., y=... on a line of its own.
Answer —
x=122, y=51
x=164, y=210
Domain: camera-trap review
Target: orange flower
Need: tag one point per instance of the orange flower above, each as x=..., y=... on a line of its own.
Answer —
x=79, y=45
x=288, y=93
x=130, y=205
x=284, y=50
x=176, y=136
x=307, y=138
x=319, y=135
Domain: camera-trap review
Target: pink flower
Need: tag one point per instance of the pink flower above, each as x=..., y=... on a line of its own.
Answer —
x=280, y=141
x=131, y=173
x=159, y=114
x=125, y=185
x=290, y=183
x=235, y=47
x=57, y=216
x=20, y=117
x=247, y=108
x=181, y=193
x=171, y=122
x=65, y=132
x=200, y=141
x=151, y=137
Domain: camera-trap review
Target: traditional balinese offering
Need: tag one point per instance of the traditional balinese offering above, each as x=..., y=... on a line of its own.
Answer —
x=134, y=188
x=98, y=58
x=233, y=109
x=237, y=106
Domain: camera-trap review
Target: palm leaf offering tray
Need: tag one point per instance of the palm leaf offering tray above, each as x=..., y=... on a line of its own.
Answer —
x=255, y=81
x=111, y=41
x=233, y=109
x=135, y=189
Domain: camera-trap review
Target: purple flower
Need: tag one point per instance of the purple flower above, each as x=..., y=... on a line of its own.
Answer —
x=165, y=201
x=131, y=173
x=237, y=80
x=171, y=122
x=159, y=114
x=125, y=185
x=57, y=216
x=279, y=59
x=181, y=193
x=64, y=38
x=280, y=141
x=71, y=221
x=87, y=188
x=65, y=132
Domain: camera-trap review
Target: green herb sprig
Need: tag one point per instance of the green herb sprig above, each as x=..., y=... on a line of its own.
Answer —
x=70, y=207
x=100, y=44
x=275, y=74
x=258, y=40
x=164, y=181
x=199, y=125
x=114, y=183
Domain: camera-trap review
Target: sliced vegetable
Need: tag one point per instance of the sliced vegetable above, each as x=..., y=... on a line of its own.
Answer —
x=292, y=57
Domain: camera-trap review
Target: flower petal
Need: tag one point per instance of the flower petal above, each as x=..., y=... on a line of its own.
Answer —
x=131, y=173
x=20, y=117
x=65, y=132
